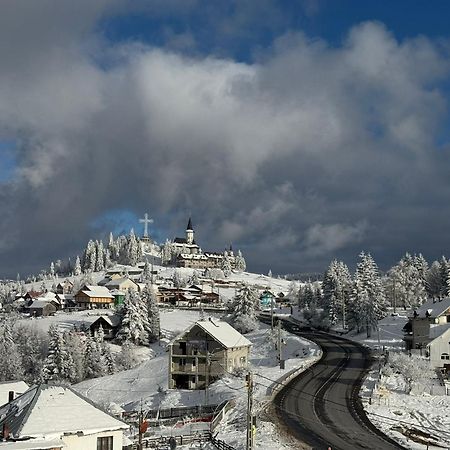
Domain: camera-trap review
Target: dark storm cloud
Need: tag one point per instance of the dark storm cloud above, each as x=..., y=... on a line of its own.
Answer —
x=310, y=153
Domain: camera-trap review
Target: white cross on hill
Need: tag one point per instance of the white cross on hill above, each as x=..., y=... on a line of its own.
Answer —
x=146, y=221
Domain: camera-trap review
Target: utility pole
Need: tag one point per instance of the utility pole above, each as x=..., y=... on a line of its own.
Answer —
x=141, y=421
x=250, y=420
x=207, y=369
x=271, y=313
x=279, y=344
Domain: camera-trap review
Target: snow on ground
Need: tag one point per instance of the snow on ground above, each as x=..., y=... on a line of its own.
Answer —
x=148, y=381
x=390, y=335
x=393, y=411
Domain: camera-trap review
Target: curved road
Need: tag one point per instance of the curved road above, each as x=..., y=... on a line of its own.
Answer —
x=321, y=406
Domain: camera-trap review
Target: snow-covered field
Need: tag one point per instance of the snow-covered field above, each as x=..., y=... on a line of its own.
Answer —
x=395, y=412
x=389, y=334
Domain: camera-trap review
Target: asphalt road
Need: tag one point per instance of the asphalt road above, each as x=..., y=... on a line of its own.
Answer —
x=321, y=406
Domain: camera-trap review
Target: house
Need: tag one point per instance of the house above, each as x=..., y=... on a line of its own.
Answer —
x=56, y=417
x=109, y=323
x=9, y=390
x=267, y=299
x=428, y=331
x=66, y=300
x=66, y=287
x=204, y=352
x=89, y=297
x=42, y=308
x=122, y=284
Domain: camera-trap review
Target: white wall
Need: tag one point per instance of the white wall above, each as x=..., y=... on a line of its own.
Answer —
x=89, y=442
x=437, y=347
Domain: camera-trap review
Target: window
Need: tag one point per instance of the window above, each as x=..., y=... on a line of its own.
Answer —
x=105, y=443
x=445, y=356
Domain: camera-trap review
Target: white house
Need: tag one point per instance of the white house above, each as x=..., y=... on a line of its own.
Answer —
x=55, y=417
x=428, y=331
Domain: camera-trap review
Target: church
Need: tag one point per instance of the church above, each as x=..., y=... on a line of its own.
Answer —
x=187, y=253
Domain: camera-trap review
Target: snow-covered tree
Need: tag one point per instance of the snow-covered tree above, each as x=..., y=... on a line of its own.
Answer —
x=99, y=256
x=52, y=270
x=194, y=279
x=134, y=326
x=149, y=299
x=226, y=265
x=244, y=307
x=368, y=302
x=167, y=252
x=89, y=257
x=11, y=364
x=127, y=358
x=434, y=282
x=336, y=286
x=75, y=347
x=239, y=262
x=77, y=268
x=93, y=361
x=32, y=347
x=177, y=280
x=406, y=283
x=58, y=365
x=146, y=275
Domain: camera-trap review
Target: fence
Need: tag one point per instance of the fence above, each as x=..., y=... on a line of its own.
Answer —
x=220, y=413
x=221, y=445
x=163, y=442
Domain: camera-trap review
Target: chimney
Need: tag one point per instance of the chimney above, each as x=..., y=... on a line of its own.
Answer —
x=5, y=431
x=10, y=396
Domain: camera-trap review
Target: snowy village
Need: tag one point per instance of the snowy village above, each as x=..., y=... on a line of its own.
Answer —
x=140, y=345
x=224, y=225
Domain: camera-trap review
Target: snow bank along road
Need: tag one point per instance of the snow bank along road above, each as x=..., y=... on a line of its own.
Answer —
x=321, y=406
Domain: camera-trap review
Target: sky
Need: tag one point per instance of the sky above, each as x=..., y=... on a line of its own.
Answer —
x=300, y=131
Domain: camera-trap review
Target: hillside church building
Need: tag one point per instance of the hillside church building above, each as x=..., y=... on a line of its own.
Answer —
x=187, y=253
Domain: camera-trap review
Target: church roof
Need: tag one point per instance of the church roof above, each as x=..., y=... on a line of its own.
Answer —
x=189, y=225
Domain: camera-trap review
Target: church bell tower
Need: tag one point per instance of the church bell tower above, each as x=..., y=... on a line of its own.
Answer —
x=189, y=233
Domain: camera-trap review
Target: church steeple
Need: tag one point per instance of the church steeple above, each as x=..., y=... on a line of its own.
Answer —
x=189, y=233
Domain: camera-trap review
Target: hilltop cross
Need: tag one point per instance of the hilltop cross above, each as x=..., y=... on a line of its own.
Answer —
x=146, y=221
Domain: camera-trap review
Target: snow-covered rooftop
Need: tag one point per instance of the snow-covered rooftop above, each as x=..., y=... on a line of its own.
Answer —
x=40, y=303
x=223, y=332
x=438, y=330
x=435, y=307
x=49, y=411
x=97, y=291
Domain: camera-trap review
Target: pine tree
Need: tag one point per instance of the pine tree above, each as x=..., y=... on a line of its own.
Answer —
x=368, y=304
x=77, y=269
x=134, y=326
x=11, y=364
x=52, y=270
x=89, y=257
x=146, y=275
x=150, y=299
x=244, y=307
x=240, y=264
x=434, y=280
x=56, y=363
x=93, y=364
x=99, y=256
x=406, y=284
x=226, y=265
x=76, y=347
x=336, y=288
